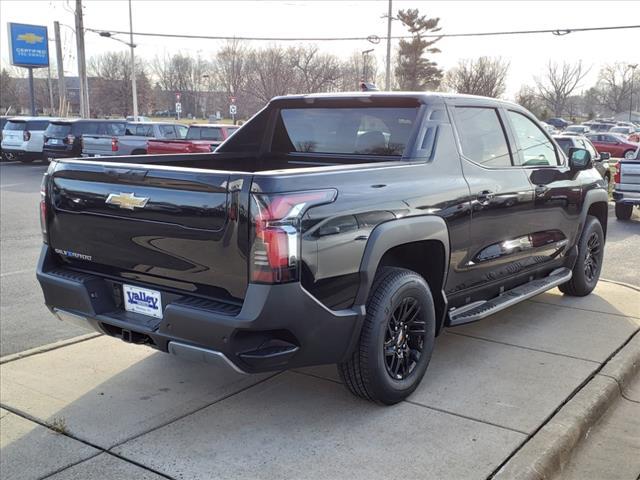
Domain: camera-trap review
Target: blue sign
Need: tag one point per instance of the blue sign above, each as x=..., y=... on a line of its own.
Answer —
x=28, y=45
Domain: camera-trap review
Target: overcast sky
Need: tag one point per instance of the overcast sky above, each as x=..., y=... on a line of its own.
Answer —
x=528, y=54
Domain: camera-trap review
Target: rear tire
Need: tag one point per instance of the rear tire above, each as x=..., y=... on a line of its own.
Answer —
x=623, y=211
x=396, y=340
x=588, y=266
x=139, y=152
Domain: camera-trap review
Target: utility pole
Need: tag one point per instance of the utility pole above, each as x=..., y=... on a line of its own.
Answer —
x=633, y=71
x=82, y=64
x=31, y=92
x=61, y=86
x=133, y=67
x=387, y=78
x=50, y=89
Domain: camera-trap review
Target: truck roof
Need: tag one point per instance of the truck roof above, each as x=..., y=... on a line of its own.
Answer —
x=422, y=97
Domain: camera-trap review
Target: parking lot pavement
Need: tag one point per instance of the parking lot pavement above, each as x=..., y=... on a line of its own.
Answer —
x=489, y=387
x=24, y=320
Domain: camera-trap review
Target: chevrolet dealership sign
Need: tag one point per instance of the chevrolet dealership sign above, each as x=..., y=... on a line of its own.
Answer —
x=28, y=45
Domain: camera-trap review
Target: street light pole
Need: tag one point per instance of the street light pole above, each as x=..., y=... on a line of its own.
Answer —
x=133, y=67
x=633, y=71
x=365, y=56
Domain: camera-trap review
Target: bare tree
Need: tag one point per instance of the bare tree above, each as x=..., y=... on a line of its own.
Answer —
x=269, y=74
x=614, y=87
x=351, y=71
x=483, y=76
x=231, y=67
x=184, y=74
x=558, y=84
x=110, y=88
x=529, y=99
x=316, y=72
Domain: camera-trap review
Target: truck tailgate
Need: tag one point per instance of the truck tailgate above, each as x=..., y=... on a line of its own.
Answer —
x=177, y=229
x=630, y=175
x=96, y=145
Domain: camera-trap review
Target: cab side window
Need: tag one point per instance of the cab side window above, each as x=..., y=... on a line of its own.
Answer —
x=167, y=131
x=534, y=147
x=482, y=137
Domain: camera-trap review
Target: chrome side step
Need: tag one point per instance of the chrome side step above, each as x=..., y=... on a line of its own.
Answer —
x=480, y=310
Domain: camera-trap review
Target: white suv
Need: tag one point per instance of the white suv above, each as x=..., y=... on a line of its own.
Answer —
x=23, y=138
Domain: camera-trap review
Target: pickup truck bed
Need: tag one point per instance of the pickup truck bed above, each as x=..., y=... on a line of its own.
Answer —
x=328, y=229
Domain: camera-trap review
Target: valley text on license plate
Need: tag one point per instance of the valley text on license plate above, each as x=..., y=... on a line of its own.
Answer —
x=142, y=300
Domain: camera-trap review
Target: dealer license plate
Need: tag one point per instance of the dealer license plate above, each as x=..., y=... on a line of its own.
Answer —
x=142, y=300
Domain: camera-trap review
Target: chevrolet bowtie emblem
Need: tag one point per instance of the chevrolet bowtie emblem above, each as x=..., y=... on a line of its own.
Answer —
x=31, y=38
x=128, y=201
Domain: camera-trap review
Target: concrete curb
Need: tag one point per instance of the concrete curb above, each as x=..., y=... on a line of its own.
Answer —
x=46, y=348
x=545, y=454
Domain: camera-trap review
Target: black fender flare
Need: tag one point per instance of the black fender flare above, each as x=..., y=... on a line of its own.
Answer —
x=399, y=232
x=596, y=195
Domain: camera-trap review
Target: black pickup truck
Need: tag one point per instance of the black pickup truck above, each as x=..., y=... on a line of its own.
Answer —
x=348, y=229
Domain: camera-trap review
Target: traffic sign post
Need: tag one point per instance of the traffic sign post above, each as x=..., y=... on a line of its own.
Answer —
x=232, y=111
x=29, y=48
x=178, y=108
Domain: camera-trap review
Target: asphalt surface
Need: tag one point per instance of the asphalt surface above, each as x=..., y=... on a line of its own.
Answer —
x=26, y=323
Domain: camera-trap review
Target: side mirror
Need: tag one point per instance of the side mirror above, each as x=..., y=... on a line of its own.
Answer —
x=579, y=159
x=605, y=156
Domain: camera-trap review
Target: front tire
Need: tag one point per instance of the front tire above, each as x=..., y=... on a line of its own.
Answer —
x=396, y=340
x=629, y=154
x=623, y=211
x=586, y=271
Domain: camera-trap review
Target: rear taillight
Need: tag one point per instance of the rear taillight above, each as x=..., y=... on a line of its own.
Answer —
x=616, y=175
x=69, y=139
x=114, y=144
x=275, y=247
x=26, y=135
x=43, y=208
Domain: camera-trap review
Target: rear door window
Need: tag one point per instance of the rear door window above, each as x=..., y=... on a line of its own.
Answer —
x=37, y=125
x=380, y=131
x=58, y=130
x=181, y=131
x=482, y=136
x=167, y=131
x=534, y=147
x=15, y=126
x=144, y=130
x=88, y=128
x=214, y=134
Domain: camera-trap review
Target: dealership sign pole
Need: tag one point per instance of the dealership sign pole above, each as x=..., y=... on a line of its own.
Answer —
x=29, y=48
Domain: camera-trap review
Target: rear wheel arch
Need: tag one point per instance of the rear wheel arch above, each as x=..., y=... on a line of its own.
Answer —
x=596, y=203
x=419, y=244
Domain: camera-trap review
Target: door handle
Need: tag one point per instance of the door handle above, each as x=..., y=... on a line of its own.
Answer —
x=485, y=197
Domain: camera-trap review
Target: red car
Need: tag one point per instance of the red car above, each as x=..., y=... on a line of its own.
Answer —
x=616, y=145
x=200, y=138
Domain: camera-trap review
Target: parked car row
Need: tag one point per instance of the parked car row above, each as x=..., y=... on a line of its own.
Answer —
x=45, y=138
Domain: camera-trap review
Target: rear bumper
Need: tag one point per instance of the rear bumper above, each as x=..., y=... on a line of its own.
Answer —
x=19, y=154
x=58, y=153
x=276, y=328
x=626, y=197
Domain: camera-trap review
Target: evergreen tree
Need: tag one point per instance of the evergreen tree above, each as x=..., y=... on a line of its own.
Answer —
x=413, y=70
